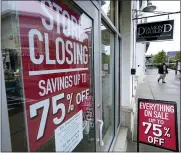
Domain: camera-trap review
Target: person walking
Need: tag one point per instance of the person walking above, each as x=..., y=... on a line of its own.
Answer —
x=162, y=70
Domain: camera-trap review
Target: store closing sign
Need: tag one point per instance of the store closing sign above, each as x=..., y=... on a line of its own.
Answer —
x=56, y=73
x=157, y=124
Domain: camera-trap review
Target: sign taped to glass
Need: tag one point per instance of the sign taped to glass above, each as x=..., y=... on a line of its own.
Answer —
x=157, y=124
x=56, y=67
x=155, y=31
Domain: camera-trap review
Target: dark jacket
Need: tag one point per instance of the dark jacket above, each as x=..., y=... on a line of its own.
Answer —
x=161, y=70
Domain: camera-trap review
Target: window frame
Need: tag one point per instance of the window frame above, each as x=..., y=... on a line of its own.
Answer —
x=116, y=29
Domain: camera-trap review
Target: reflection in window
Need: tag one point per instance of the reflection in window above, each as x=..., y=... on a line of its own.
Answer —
x=109, y=9
x=12, y=75
x=107, y=80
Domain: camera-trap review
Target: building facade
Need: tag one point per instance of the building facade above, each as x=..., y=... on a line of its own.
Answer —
x=66, y=73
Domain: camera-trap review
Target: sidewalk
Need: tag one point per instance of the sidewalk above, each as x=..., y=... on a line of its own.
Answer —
x=151, y=89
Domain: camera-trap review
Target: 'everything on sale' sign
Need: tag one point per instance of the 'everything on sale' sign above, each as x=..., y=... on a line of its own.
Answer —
x=55, y=66
x=157, y=123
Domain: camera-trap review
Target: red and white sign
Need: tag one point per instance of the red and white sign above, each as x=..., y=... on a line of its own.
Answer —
x=157, y=124
x=55, y=66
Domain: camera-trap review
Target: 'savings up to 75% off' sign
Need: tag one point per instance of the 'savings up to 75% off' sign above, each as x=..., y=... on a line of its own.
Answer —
x=157, y=123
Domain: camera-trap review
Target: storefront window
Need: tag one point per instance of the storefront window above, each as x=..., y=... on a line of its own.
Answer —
x=47, y=59
x=108, y=6
x=107, y=81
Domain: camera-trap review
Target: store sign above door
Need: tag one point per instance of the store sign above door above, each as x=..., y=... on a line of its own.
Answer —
x=155, y=31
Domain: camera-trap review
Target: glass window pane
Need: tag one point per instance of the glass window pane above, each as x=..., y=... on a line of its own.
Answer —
x=108, y=6
x=48, y=67
x=12, y=72
x=107, y=81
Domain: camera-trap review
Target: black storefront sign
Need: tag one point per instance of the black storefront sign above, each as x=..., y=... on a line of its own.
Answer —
x=155, y=31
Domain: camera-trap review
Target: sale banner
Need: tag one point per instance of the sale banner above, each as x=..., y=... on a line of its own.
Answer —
x=55, y=67
x=157, y=123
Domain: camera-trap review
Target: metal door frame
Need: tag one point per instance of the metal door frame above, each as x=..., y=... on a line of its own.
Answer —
x=117, y=41
x=93, y=12
x=96, y=13
x=5, y=130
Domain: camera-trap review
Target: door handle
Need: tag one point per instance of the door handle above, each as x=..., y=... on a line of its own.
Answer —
x=101, y=142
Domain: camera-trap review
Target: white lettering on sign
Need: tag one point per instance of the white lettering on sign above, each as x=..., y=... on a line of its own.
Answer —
x=79, y=55
x=69, y=134
x=155, y=29
x=161, y=115
x=154, y=140
x=157, y=107
x=165, y=27
x=54, y=84
x=32, y=33
x=71, y=27
x=66, y=51
x=48, y=14
x=58, y=10
x=45, y=104
x=66, y=25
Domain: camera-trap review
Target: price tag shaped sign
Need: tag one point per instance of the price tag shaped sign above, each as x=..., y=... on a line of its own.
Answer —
x=157, y=124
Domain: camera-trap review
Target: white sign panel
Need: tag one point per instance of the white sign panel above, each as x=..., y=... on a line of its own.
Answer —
x=69, y=134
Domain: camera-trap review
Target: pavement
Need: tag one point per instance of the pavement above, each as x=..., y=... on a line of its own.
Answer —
x=151, y=89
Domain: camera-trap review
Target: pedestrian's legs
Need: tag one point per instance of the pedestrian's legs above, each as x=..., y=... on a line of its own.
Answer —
x=163, y=77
